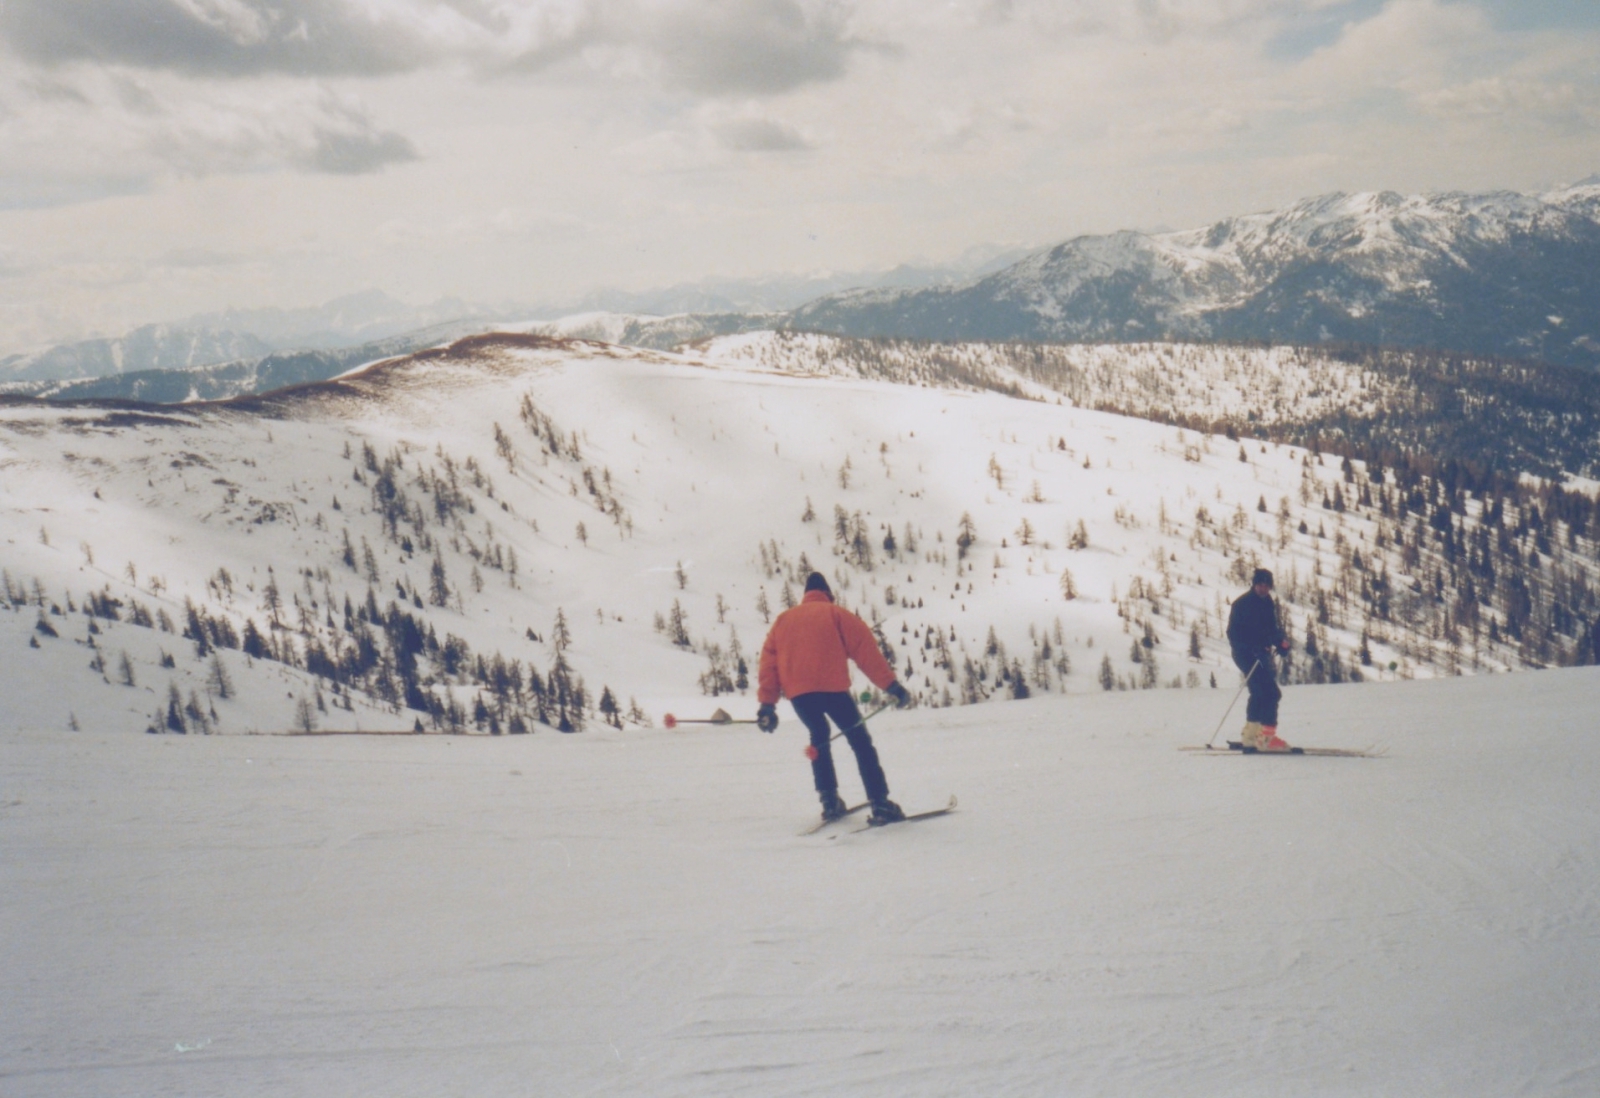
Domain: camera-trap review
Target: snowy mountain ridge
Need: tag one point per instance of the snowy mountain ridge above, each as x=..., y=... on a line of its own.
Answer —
x=1491, y=274
x=1393, y=236
x=1495, y=414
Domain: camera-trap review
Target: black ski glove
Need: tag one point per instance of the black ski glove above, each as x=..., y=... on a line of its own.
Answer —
x=899, y=694
x=767, y=718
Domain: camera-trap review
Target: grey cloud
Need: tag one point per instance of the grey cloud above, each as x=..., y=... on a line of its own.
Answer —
x=55, y=91
x=213, y=37
x=760, y=135
x=325, y=136
x=709, y=47
x=343, y=141
x=751, y=47
x=18, y=192
x=357, y=152
x=136, y=97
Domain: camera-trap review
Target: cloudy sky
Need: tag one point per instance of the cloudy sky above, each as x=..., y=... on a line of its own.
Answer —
x=164, y=157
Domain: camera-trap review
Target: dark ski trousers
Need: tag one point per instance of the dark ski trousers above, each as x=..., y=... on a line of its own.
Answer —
x=1264, y=692
x=814, y=711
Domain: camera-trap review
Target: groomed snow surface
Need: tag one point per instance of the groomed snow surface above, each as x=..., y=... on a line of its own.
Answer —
x=633, y=913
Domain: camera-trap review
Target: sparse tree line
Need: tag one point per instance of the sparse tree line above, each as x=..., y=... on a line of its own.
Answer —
x=931, y=659
x=1447, y=568
x=1366, y=402
x=388, y=654
x=596, y=483
x=1463, y=571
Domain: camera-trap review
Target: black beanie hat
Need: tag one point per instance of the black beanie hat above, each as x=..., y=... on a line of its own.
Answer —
x=1261, y=576
x=816, y=581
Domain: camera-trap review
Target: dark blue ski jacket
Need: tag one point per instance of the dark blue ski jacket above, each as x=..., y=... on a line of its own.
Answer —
x=1253, y=624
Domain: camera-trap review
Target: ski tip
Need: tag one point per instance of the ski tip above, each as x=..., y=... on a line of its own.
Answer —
x=669, y=721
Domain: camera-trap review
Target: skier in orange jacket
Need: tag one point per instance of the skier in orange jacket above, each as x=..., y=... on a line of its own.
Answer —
x=806, y=658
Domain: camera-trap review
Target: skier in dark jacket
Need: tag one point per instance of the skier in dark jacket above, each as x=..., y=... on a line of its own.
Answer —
x=806, y=658
x=1255, y=637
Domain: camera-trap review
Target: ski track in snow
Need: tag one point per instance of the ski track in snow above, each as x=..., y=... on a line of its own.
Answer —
x=626, y=913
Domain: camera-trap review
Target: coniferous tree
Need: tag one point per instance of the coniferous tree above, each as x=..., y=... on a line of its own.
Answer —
x=438, y=582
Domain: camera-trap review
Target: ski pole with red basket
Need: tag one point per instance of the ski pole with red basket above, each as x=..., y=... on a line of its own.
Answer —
x=811, y=752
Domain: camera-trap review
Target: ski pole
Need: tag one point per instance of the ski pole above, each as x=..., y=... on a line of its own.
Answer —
x=811, y=751
x=1235, y=700
x=861, y=723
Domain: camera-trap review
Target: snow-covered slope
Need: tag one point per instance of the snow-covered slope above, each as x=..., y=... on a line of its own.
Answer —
x=632, y=913
x=395, y=548
x=464, y=538
x=1498, y=274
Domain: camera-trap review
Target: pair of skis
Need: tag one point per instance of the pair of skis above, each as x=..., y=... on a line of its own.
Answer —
x=722, y=716
x=1235, y=747
x=853, y=809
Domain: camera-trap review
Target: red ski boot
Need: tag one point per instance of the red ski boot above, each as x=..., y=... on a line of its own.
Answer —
x=1269, y=741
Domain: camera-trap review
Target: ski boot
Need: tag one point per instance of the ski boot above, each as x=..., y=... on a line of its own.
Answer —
x=1269, y=739
x=885, y=812
x=833, y=806
x=1251, y=738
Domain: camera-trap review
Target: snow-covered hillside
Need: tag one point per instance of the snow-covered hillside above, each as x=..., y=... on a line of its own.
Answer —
x=627, y=913
x=518, y=532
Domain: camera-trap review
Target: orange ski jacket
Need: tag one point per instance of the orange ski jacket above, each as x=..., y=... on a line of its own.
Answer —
x=809, y=648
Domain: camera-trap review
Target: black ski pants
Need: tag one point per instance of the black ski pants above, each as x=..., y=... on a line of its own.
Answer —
x=1264, y=691
x=814, y=711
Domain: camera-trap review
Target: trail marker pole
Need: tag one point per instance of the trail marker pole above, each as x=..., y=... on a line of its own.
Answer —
x=719, y=717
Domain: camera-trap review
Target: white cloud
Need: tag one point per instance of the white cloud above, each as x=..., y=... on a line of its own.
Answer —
x=1507, y=98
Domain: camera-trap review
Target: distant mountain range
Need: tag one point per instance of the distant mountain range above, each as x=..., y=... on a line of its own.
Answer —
x=1497, y=274
x=254, y=374
x=781, y=293
x=1491, y=275
x=240, y=337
